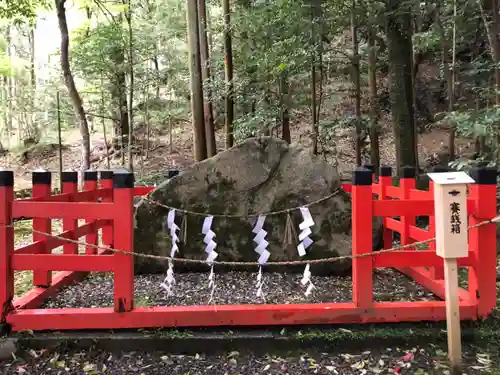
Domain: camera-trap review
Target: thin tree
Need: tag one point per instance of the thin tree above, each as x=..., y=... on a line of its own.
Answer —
x=400, y=47
x=76, y=100
x=356, y=81
x=374, y=111
x=228, y=59
x=206, y=76
x=200, y=146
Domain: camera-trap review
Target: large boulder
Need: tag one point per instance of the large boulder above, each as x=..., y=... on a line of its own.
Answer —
x=260, y=175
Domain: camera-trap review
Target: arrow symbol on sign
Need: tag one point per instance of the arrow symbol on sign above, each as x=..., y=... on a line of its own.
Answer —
x=454, y=193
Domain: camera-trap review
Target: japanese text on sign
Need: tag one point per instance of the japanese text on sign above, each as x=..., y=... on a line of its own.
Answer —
x=455, y=217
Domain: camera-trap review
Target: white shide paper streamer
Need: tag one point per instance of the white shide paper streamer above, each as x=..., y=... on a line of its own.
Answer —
x=305, y=242
x=209, y=239
x=211, y=253
x=261, y=249
x=169, y=282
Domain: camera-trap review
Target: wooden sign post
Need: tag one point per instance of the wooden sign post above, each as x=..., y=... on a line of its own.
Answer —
x=450, y=212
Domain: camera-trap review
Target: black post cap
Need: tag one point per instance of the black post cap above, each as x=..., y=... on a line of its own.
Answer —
x=70, y=176
x=484, y=175
x=6, y=178
x=440, y=169
x=370, y=167
x=90, y=176
x=385, y=171
x=41, y=178
x=171, y=173
x=123, y=180
x=361, y=176
x=106, y=175
x=407, y=172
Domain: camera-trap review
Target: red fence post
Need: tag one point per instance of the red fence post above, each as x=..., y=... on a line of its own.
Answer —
x=362, y=213
x=90, y=184
x=482, y=240
x=106, y=178
x=436, y=272
x=407, y=182
x=123, y=239
x=42, y=184
x=6, y=242
x=70, y=186
x=384, y=180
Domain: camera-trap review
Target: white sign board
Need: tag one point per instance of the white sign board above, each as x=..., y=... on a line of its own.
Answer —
x=450, y=203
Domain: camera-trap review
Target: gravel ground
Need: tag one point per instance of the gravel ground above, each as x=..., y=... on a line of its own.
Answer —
x=235, y=288
x=429, y=359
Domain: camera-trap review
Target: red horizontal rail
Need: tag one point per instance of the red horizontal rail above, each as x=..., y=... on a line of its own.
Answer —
x=51, y=243
x=66, y=210
x=393, y=224
x=142, y=190
x=420, y=194
x=393, y=191
x=413, y=258
x=424, y=277
x=63, y=262
x=235, y=315
x=36, y=296
x=419, y=234
x=405, y=207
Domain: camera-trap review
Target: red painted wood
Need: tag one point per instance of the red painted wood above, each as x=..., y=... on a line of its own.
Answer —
x=232, y=315
x=384, y=183
x=411, y=258
x=70, y=188
x=482, y=242
x=437, y=287
x=6, y=249
x=142, y=190
x=124, y=240
x=107, y=231
x=63, y=262
x=393, y=191
x=36, y=296
x=62, y=210
x=52, y=243
x=41, y=224
x=362, y=268
x=419, y=234
x=90, y=187
x=420, y=194
x=438, y=271
x=393, y=225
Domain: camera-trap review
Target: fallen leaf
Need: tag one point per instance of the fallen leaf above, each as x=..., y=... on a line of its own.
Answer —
x=408, y=357
x=267, y=367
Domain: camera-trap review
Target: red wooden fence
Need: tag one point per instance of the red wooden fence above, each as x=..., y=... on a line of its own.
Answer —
x=106, y=205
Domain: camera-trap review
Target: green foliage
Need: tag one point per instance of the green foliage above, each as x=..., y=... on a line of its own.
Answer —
x=22, y=10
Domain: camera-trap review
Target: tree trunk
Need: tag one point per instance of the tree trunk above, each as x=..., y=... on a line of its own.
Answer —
x=10, y=86
x=205, y=73
x=200, y=145
x=314, y=129
x=356, y=81
x=374, y=113
x=448, y=69
x=157, y=73
x=33, y=131
x=228, y=59
x=492, y=31
x=285, y=114
x=400, y=74
x=130, y=106
x=70, y=83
